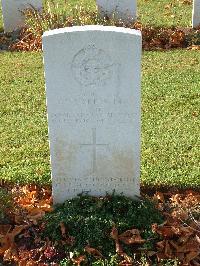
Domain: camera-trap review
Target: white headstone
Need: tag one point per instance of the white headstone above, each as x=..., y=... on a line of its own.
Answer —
x=119, y=9
x=196, y=14
x=12, y=15
x=93, y=101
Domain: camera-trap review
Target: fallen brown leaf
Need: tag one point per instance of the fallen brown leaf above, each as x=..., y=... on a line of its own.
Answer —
x=93, y=252
x=4, y=229
x=114, y=235
x=131, y=237
x=79, y=260
x=63, y=229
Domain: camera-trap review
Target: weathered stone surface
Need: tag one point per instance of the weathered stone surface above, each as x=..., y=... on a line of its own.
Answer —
x=12, y=15
x=93, y=101
x=196, y=14
x=125, y=10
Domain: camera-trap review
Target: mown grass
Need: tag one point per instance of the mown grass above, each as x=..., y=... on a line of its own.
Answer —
x=170, y=119
x=151, y=12
x=170, y=87
x=165, y=12
x=23, y=126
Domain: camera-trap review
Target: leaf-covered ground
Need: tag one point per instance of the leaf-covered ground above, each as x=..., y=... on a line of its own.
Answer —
x=154, y=38
x=112, y=230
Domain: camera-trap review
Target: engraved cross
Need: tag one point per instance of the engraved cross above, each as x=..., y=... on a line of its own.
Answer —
x=94, y=145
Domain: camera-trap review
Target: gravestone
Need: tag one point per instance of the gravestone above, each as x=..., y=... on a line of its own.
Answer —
x=12, y=15
x=119, y=9
x=196, y=14
x=93, y=101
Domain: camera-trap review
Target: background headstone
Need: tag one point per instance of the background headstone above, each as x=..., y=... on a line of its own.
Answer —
x=93, y=101
x=122, y=9
x=196, y=14
x=12, y=17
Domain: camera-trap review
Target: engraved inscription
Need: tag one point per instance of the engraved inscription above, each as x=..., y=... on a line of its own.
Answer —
x=92, y=111
x=94, y=145
x=92, y=66
x=95, y=118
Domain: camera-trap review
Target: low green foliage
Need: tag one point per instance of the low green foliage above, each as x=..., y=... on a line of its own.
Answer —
x=5, y=204
x=170, y=263
x=90, y=221
x=193, y=38
x=114, y=262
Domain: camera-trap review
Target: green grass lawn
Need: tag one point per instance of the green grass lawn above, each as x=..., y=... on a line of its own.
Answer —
x=170, y=119
x=153, y=12
x=170, y=105
x=23, y=127
x=165, y=13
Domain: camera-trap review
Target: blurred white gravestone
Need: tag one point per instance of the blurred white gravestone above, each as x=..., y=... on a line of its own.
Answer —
x=12, y=15
x=119, y=9
x=93, y=101
x=196, y=14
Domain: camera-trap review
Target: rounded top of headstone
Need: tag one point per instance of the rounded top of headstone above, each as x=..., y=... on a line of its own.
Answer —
x=87, y=28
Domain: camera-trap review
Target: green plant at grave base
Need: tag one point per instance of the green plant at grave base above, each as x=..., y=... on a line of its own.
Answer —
x=170, y=263
x=145, y=262
x=5, y=203
x=114, y=261
x=89, y=220
x=193, y=38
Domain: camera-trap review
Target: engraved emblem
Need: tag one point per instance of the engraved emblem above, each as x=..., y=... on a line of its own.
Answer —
x=92, y=66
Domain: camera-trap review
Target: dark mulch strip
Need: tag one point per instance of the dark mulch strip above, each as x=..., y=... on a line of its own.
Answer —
x=9, y=39
x=154, y=38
